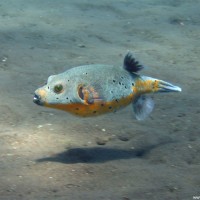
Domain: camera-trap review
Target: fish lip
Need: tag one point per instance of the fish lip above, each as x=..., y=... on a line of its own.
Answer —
x=168, y=87
x=37, y=100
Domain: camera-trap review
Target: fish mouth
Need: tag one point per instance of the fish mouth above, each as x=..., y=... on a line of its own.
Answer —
x=167, y=87
x=37, y=100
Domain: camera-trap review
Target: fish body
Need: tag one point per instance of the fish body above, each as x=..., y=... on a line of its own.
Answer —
x=92, y=90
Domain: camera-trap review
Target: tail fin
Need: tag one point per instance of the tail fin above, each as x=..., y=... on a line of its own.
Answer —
x=143, y=106
x=148, y=85
x=167, y=87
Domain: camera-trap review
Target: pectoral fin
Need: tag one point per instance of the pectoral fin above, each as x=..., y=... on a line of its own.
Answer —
x=142, y=107
x=89, y=94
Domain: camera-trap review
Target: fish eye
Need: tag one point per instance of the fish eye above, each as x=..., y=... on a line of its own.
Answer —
x=58, y=88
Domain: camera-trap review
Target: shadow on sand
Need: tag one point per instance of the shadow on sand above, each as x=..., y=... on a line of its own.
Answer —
x=99, y=154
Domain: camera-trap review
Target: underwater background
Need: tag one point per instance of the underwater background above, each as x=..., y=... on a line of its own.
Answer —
x=50, y=154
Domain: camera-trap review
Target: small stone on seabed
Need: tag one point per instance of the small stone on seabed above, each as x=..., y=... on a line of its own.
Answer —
x=81, y=45
x=103, y=129
x=101, y=141
x=125, y=198
x=4, y=59
x=123, y=138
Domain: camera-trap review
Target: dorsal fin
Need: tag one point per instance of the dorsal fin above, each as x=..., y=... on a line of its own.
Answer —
x=130, y=64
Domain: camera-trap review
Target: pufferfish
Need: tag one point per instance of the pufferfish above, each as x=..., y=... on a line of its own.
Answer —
x=92, y=90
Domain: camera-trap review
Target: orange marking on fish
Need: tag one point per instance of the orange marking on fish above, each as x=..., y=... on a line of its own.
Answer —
x=42, y=93
x=96, y=108
x=146, y=86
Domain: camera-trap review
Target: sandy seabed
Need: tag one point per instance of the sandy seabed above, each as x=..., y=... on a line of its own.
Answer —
x=49, y=154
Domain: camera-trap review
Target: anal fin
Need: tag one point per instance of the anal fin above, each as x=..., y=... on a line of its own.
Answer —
x=142, y=107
